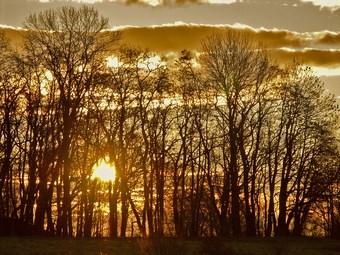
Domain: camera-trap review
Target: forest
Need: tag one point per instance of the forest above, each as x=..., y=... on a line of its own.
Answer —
x=223, y=141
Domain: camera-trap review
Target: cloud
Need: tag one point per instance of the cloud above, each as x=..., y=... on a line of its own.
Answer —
x=302, y=17
x=330, y=38
x=324, y=3
x=320, y=50
x=170, y=37
x=282, y=44
x=13, y=34
x=310, y=57
x=279, y=38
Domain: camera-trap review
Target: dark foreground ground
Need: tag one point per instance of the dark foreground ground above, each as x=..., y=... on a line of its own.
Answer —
x=168, y=246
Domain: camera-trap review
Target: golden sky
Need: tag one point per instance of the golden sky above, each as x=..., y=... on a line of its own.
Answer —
x=307, y=30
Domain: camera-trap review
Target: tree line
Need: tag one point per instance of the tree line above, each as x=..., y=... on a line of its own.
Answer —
x=222, y=142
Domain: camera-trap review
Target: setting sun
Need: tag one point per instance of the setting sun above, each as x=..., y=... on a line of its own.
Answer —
x=104, y=171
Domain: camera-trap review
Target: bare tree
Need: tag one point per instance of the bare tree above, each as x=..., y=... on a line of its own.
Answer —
x=307, y=119
x=220, y=144
x=238, y=69
x=12, y=86
x=70, y=44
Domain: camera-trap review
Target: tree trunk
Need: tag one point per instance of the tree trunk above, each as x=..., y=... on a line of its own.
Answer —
x=235, y=198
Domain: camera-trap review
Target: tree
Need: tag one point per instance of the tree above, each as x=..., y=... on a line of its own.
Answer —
x=11, y=87
x=135, y=85
x=220, y=144
x=72, y=45
x=307, y=119
x=236, y=67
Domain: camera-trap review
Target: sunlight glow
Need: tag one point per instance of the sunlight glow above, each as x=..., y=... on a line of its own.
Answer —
x=153, y=2
x=324, y=71
x=45, y=83
x=151, y=63
x=327, y=3
x=104, y=171
x=112, y=62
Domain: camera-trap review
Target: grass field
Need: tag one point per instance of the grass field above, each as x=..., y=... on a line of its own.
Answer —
x=168, y=246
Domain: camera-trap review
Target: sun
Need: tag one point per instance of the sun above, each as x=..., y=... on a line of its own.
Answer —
x=104, y=171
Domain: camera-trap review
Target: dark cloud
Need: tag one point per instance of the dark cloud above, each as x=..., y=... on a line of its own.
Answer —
x=14, y=35
x=169, y=38
x=284, y=45
x=311, y=57
x=330, y=39
x=281, y=38
x=176, y=38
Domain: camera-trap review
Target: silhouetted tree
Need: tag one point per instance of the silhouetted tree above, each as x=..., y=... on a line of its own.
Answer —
x=239, y=71
x=219, y=143
x=71, y=45
x=307, y=119
x=12, y=86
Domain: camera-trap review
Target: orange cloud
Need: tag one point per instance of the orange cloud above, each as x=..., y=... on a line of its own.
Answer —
x=284, y=45
x=330, y=38
x=14, y=35
x=311, y=57
x=189, y=36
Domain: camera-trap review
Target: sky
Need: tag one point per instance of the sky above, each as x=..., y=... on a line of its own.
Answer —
x=307, y=30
